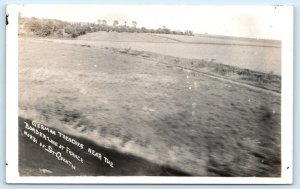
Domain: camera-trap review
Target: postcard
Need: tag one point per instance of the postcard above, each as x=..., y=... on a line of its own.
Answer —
x=152, y=94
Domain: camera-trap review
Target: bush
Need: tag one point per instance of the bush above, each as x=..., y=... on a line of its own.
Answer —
x=44, y=31
x=60, y=33
x=38, y=28
x=33, y=26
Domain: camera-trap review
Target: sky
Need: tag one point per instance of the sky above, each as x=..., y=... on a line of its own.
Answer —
x=263, y=22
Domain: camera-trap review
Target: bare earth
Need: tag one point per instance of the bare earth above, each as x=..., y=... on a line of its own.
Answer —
x=169, y=116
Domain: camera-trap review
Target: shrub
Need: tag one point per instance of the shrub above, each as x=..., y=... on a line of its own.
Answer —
x=44, y=31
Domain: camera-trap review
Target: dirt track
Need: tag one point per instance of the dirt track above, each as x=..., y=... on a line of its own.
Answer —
x=206, y=74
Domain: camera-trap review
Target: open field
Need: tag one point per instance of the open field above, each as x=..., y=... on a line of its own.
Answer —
x=222, y=40
x=167, y=38
x=263, y=56
x=258, y=55
x=108, y=93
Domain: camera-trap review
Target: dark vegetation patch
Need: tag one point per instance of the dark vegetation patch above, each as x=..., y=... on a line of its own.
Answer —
x=85, y=45
x=61, y=29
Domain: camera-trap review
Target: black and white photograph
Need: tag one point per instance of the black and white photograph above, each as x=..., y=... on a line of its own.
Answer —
x=155, y=91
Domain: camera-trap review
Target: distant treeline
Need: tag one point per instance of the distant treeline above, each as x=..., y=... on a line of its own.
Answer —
x=58, y=28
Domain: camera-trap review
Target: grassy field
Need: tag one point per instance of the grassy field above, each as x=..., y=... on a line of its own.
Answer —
x=215, y=39
x=165, y=114
x=258, y=55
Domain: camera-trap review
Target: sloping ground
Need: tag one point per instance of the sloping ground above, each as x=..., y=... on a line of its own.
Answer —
x=258, y=55
x=124, y=37
x=167, y=38
x=222, y=40
x=164, y=114
x=266, y=82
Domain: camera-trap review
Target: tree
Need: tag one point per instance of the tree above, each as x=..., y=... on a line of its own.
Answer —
x=116, y=22
x=104, y=22
x=99, y=21
x=125, y=23
x=33, y=25
x=166, y=30
x=144, y=30
x=134, y=23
